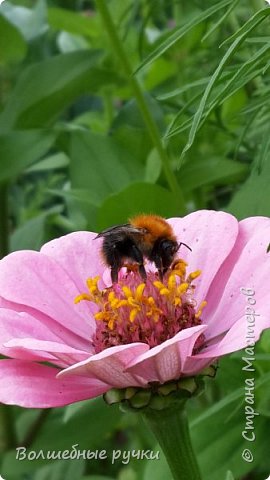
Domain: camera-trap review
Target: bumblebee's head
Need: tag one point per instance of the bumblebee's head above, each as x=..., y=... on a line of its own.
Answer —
x=163, y=253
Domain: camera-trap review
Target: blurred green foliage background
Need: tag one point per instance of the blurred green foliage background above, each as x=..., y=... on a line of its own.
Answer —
x=161, y=106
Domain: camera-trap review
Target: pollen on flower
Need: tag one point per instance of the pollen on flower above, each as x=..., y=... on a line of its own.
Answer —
x=150, y=312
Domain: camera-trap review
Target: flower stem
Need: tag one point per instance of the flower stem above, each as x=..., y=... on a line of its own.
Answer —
x=142, y=104
x=170, y=426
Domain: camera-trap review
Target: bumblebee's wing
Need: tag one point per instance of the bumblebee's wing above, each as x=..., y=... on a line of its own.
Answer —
x=119, y=230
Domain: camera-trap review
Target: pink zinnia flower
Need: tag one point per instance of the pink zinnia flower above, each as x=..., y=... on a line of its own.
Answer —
x=132, y=333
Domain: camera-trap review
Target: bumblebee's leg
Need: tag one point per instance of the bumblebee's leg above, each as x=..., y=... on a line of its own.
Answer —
x=142, y=271
x=159, y=265
x=114, y=273
x=138, y=257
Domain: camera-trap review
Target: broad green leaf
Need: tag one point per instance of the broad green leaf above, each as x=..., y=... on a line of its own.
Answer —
x=153, y=167
x=206, y=171
x=81, y=207
x=45, y=89
x=93, y=421
x=244, y=202
x=12, y=44
x=89, y=429
x=53, y=162
x=68, y=42
x=229, y=476
x=31, y=235
x=137, y=198
x=65, y=469
x=31, y=22
x=89, y=197
x=19, y=149
x=100, y=165
x=179, y=32
x=73, y=22
x=239, y=39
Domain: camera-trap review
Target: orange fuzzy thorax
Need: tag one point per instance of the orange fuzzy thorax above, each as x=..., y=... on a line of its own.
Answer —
x=156, y=227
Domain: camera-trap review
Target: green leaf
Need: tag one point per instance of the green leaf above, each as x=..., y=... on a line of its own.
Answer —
x=73, y=22
x=153, y=167
x=179, y=32
x=229, y=476
x=243, y=73
x=12, y=44
x=137, y=198
x=31, y=23
x=221, y=20
x=89, y=428
x=252, y=23
x=30, y=236
x=100, y=165
x=206, y=171
x=71, y=43
x=53, y=162
x=20, y=149
x=224, y=438
x=67, y=469
x=45, y=89
x=244, y=202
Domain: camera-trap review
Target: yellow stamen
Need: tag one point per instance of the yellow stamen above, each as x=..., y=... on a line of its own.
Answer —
x=201, y=307
x=92, y=284
x=133, y=314
x=179, y=268
x=139, y=290
x=127, y=292
x=164, y=291
x=172, y=282
x=182, y=288
x=83, y=296
x=194, y=275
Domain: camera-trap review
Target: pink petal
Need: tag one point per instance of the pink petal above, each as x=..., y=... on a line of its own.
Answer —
x=53, y=351
x=20, y=325
x=211, y=235
x=248, y=267
x=110, y=364
x=36, y=280
x=16, y=318
x=166, y=361
x=32, y=385
x=194, y=365
x=79, y=255
x=242, y=334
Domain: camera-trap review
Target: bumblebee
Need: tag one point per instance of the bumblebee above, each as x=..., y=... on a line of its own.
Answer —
x=145, y=237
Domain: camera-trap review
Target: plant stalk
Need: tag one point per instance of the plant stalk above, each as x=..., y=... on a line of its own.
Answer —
x=170, y=426
x=142, y=104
